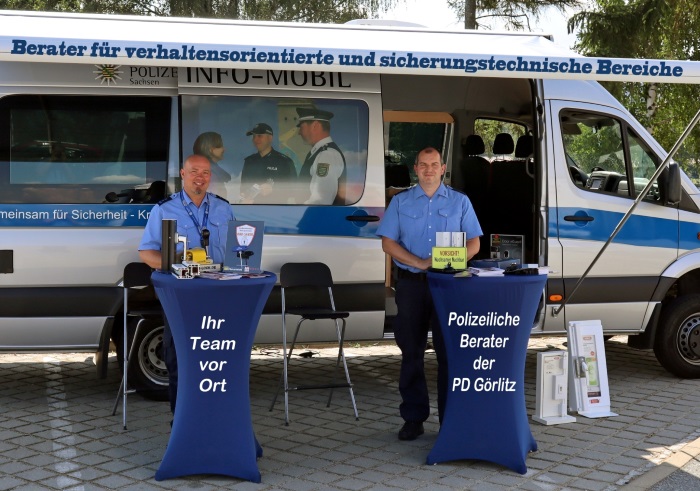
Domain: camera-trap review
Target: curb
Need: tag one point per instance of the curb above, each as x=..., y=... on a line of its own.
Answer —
x=666, y=468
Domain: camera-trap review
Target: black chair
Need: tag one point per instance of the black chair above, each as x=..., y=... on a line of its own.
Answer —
x=476, y=174
x=136, y=275
x=397, y=176
x=307, y=292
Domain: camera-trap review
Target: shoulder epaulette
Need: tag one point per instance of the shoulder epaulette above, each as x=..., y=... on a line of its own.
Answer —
x=280, y=154
x=165, y=200
x=455, y=190
x=222, y=199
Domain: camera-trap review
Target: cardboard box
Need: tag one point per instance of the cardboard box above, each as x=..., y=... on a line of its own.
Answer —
x=507, y=247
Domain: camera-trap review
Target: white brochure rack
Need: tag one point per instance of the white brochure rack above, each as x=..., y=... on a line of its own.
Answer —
x=588, y=371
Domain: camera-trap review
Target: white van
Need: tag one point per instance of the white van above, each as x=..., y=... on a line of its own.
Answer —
x=97, y=112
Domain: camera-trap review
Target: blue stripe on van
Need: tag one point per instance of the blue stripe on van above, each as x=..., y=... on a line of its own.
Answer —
x=689, y=235
x=312, y=220
x=284, y=220
x=638, y=231
x=98, y=215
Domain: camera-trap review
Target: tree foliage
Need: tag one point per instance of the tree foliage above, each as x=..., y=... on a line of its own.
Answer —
x=330, y=11
x=653, y=29
x=516, y=13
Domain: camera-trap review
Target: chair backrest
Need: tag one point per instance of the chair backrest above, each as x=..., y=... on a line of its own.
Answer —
x=503, y=144
x=473, y=145
x=305, y=274
x=306, y=285
x=397, y=176
x=137, y=274
x=476, y=174
x=524, y=148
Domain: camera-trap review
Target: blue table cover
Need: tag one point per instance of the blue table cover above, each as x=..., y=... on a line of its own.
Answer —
x=213, y=324
x=485, y=416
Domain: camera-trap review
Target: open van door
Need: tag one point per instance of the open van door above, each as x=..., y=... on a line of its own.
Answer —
x=601, y=163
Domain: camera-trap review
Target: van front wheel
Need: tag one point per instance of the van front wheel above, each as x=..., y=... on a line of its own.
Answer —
x=677, y=343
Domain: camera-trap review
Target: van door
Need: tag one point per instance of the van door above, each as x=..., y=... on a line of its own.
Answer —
x=601, y=162
x=258, y=122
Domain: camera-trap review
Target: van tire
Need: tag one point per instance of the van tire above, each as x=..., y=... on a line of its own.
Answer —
x=677, y=343
x=147, y=371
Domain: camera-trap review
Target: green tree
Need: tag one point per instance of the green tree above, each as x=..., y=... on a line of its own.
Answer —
x=654, y=29
x=330, y=11
x=516, y=13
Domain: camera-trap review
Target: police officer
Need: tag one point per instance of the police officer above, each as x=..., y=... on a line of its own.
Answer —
x=266, y=170
x=322, y=177
x=201, y=216
x=211, y=145
x=408, y=236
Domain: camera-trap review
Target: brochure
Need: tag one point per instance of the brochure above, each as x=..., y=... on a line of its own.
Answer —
x=486, y=271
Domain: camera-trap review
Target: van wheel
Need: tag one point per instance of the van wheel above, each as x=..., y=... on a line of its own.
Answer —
x=677, y=343
x=147, y=371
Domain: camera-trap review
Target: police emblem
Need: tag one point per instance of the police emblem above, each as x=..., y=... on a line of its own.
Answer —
x=245, y=234
x=322, y=170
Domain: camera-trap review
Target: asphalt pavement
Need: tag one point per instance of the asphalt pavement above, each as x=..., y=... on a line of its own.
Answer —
x=57, y=430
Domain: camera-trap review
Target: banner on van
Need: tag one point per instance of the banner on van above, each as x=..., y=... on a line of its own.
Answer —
x=250, y=45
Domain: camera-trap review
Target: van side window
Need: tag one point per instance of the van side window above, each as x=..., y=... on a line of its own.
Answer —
x=496, y=144
x=601, y=158
x=78, y=149
x=644, y=164
x=280, y=151
x=595, y=152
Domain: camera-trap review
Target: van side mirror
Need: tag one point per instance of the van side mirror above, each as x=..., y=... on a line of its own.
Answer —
x=672, y=184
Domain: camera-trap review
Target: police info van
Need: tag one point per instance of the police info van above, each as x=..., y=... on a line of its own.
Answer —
x=97, y=112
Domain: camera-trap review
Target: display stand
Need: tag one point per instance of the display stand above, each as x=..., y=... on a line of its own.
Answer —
x=551, y=399
x=213, y=323
x=486, y=324
x=588, y=370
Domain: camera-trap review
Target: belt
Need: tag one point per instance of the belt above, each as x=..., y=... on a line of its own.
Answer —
x=404, y=274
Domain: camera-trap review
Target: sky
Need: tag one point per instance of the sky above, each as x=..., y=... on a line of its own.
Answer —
x=436, y=14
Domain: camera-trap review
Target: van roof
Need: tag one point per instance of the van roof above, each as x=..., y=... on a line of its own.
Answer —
x=151, y=41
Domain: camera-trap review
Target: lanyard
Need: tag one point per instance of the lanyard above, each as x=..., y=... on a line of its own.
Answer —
x=194, y=218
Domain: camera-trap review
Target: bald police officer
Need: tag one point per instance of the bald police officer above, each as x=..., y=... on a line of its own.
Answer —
x=196, y=211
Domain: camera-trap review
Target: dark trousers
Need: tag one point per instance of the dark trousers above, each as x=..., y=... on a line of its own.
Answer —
x=170, y=358
x=416, y=315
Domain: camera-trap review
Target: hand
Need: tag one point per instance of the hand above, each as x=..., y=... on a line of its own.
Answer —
x=266, y=189
x=424, y=264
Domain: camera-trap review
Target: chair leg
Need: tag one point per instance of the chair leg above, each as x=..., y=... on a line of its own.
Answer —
x=341, y=356
x=119, y=396
x=126, y=362
x=284, y=381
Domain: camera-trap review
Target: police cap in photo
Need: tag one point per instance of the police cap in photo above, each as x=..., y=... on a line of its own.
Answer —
x=312, y=114
x=260, y=129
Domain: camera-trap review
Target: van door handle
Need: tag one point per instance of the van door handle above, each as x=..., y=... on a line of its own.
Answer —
x=579, y=218
x=362, y=218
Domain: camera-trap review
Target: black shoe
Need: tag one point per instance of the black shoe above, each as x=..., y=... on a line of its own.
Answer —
x=411, y=430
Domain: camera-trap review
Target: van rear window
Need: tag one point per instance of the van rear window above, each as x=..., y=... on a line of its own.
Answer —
x=81, y=149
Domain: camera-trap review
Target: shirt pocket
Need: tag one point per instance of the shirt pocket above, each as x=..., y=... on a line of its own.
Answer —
x=217, y=232
x=450, y=219
x=191, y=232
x=411, y=213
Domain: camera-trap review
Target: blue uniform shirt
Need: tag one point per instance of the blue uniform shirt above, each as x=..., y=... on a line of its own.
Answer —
x=412, y=219
x=220, y=214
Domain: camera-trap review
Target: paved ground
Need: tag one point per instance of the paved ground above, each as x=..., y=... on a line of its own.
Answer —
x=57, y=432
